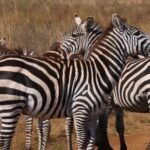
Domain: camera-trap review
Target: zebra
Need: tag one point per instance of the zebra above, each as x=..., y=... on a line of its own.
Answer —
x=79, y=44
x=47, y=88
x=70, y=125
x=4, y=50
x=104, y=141
x=76, y=42
x=66, y=48
x=61, y=50
x=132, y=91
x=43, y=126
x=115, y=100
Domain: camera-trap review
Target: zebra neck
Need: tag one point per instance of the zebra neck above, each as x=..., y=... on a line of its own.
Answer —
x=109, y=59
x=86, y=45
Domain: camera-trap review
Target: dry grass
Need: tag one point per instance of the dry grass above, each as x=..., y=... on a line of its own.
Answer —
x=36, y=24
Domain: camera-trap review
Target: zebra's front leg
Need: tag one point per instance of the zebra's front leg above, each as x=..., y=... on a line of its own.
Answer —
x=120, y=127
x=43, y=128
x=8, y=125
x=92, y=123
x=28, y=130
x=81, y=125
x=69, y=131
x=101, y=135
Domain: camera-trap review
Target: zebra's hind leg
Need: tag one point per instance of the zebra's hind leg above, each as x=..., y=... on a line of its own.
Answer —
x=43, y=128
x=101, y=135
x=8, y=125
x=69, y=131
x=120, y=127
x=28, y=130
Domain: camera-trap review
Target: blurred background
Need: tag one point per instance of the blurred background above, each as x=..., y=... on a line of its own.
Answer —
x=36, y=24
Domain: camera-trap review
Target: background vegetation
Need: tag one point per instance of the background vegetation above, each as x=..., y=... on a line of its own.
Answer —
x=36, y=24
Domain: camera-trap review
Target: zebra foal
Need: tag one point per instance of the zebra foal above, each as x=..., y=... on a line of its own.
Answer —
x=48, y=88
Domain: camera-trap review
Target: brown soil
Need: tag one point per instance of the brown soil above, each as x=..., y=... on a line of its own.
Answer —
x=134, y=141
x=136, y=133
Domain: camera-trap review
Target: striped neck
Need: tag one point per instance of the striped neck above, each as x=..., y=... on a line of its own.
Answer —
x=109, y=56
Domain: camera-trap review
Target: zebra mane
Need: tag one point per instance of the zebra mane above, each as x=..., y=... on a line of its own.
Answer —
x=95, y=27
x=4, y=49
x=104, y=33
x=15, y=51
x=55, y=46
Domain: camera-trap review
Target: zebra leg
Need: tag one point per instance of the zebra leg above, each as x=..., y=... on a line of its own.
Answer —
x=120, y=127
x=8, y=125
x=81, y=126
x=101, y=135
x=46, y=131
x=29, y=123
x=69, y=131
x=43, y=128
x=148, y=146
x=92, y=132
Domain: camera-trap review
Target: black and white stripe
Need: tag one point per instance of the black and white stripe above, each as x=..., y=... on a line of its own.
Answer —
x=4, y=50
x=48, y=88
x=61, y=51
x=132, y=92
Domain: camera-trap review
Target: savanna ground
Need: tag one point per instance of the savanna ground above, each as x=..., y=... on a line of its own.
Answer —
x=36, y=24
x=137, y=128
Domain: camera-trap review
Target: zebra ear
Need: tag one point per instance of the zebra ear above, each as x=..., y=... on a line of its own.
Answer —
x=78, y=20
x=118, y=22
x=87, y=24
x=90, y=21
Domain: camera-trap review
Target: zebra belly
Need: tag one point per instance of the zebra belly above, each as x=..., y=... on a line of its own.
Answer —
x=51, y=109
x=138, y=104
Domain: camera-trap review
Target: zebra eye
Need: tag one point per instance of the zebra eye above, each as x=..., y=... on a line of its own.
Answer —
x=81, y=34
x=137, y=33
x=74, y=35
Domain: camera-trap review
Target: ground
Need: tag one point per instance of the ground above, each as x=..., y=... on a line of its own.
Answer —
x=136, y=133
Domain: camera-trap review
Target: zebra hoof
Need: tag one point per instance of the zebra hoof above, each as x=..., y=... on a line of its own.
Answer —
x=105, y=148
x=124, y=148
x=148, y=146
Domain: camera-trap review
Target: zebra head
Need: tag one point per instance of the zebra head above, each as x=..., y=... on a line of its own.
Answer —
x=80, y=39
x=136, y=41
